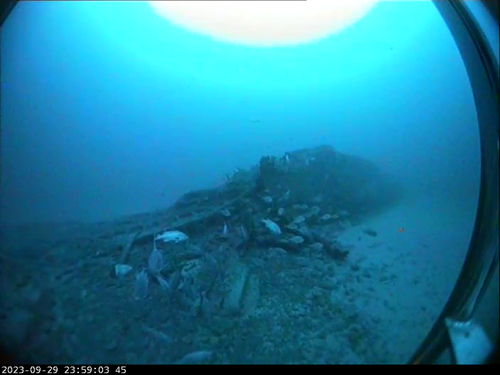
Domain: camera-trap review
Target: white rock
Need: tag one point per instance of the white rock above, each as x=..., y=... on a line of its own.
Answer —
x=122, y=269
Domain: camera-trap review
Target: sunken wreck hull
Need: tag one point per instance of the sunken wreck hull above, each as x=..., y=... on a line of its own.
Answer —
x=316, y=182
x=302, y=192
x=259, y=252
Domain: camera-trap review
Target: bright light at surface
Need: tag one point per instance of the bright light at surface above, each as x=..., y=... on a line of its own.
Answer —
x=266, y=23
x=378, y=41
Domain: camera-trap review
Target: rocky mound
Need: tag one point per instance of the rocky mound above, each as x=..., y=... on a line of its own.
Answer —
x=225, y=274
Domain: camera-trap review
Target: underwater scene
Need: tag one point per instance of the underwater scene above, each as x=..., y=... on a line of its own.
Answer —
x=175, y=193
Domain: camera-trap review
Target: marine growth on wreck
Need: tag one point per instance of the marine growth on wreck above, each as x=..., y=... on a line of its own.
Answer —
x=249, y=272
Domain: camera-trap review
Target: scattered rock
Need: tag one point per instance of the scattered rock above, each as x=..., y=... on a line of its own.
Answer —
x=251, y=295
x=297, y=240
x=267, y=199
x=158, y=335
x=314, y=293
x=122, y=269
x=317, y=246
x=112, y=344
x=326, y=217
x=315, y=210
x=343, y=214
x=277, y=252
x=299, y=219
x=346, y=224
x=195, y=357
x=222, y=275
x=236, y=280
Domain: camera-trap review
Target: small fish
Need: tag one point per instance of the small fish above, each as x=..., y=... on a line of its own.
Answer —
x=172, y=236
x=272, y=226
x=195, y=357
x=224, y=230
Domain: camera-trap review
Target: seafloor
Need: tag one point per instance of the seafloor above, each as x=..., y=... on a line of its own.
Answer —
x=335, y=285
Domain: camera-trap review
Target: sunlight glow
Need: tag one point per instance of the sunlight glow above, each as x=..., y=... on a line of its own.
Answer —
x=265, y=23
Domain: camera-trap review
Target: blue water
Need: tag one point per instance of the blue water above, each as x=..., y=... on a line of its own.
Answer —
x=108, y=110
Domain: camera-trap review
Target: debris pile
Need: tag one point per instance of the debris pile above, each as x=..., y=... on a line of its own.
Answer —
x=217, y=258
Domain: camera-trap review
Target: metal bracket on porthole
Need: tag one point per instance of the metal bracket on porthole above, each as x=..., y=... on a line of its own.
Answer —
x=482, y=258
x=469, y=343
